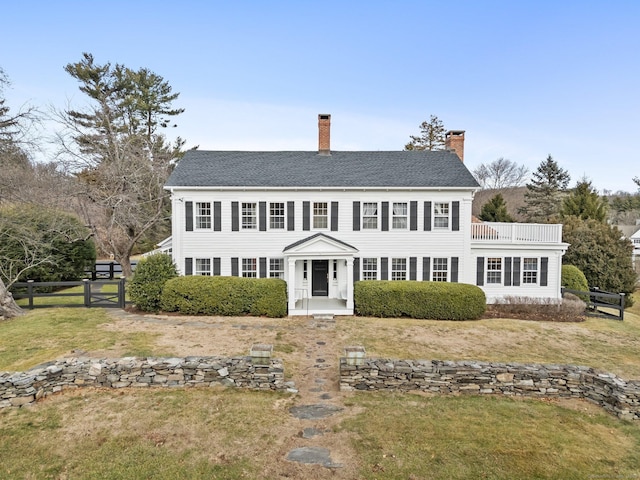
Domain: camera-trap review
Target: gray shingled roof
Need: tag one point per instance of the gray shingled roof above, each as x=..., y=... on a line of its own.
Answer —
x=308, y=169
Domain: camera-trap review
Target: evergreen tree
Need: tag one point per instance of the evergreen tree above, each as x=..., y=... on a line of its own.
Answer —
x=432, y=134
x=543, y=199
x=584, y=202
x=495, y=210
x=602, y=253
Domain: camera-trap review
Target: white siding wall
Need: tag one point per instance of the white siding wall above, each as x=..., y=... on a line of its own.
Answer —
x=370, y=243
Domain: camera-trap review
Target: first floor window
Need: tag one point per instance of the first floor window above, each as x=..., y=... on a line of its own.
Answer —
x=203, y=266
x=399, y=219
x=398, y=269
x=320, y=215
x=440, y=215
x=276, y=215
x=249, y=216
x=494, y=270
x=369, y=216
x=530, y=270
x=203, y=215
x=440, y=269
x=249, y=267
x=276, y=268
x=369, y=268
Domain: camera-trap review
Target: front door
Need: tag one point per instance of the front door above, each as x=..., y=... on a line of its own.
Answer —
x=320, y=278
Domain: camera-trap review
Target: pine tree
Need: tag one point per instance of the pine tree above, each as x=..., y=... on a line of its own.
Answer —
x=431, y=136
x=545, y=192
x=495, y=210
x=585, y=203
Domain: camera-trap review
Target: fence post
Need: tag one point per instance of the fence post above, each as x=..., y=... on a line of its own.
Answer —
x=112, y=271
x=30, y=293
x=121, y=292
x=87, y=292
x=622, y=295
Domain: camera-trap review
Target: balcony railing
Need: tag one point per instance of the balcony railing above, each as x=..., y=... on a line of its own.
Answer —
x=516, y=232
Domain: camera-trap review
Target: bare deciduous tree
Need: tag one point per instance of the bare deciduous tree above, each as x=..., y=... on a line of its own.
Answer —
x=501, y=173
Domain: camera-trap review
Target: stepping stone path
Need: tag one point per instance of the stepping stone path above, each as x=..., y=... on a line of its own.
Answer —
x=323, y=370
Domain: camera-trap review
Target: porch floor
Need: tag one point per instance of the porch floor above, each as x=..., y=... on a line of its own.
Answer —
x=311, y=306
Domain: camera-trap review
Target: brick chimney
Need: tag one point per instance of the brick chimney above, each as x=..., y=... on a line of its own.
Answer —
x=324, y=134
x=454, y=141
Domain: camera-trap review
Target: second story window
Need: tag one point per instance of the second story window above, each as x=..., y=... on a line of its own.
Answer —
x=203, y=215
x=320, y=215
x=440, y=215
x=369, y=216
x=276, y=216
x=399, y=219
x=249, y=216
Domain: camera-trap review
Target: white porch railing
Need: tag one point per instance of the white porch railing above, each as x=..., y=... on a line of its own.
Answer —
x=516, y=232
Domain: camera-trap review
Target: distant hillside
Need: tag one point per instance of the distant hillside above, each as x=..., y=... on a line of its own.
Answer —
x=514, y=198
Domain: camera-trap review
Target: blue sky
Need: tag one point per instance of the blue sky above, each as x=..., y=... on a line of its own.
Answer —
x=524, y=79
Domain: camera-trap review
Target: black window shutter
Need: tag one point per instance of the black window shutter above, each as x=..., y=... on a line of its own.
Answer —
x=306, y=216
x=356, y=216
x=516, y=271
x=188, y=215
x=291, y=225
x=216, y=266
x=385, y=216
x=356, y=269
x=427, y=216
x=235, y=217
x=455, y=216
x=188, y=266
x=480, y=271
x=263, y=267
x=334, y=216
x=413, y=268
x=413, y=216
x=384, y=268
x=234, y=267
x=454, y=269
x=544, y=271
x=507, y=272
x=262, y=216
x=217, y=217
x=426, y=269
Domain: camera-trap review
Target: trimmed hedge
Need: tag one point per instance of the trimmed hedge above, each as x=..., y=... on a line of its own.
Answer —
x=429, y=300
x=230, y=296
x=152, y=272
x=574, y=279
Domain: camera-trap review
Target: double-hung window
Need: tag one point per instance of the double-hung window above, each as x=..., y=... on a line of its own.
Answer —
x=398, y=269
x=203, y=215
x=369, y=216
x=440, y=269
x=440, y=215
x=320, y=215
x=276, y=215
x=249, y=216
x=529, y=270
x=399, y=216
x=369, y=268
x=203, y=266
x=249, y=267
x=494, y=270
x=276, y=267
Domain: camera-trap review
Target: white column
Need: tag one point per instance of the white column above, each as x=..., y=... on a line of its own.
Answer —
x=350, y=283
x=291, y=283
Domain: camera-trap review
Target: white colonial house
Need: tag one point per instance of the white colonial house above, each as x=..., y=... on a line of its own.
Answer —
x=322, y=220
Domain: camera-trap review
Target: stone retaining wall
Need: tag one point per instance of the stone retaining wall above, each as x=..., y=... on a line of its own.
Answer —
x=615, y=395
x=21, y=388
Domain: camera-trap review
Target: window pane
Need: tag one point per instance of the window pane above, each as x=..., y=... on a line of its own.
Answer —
x=530, y=270
x=249, y=267
x=369, y=268
x=276, y=215
x=249, y=217
x=398, y=269
x=276, y=267
x=440, y=269
x=203, y=214
x=399, y=220
x=203, y=266
x=494, y=270
x=320, y=215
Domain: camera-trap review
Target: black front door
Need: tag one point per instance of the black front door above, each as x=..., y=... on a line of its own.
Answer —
x=320, y=278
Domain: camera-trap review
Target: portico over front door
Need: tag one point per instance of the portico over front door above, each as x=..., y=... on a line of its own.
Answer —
x=320, y=278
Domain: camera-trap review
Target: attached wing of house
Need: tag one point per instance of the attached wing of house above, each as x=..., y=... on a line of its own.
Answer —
x=322, y=220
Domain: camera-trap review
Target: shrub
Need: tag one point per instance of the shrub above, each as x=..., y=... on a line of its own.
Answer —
x=152, y=272
x=574, y=279
x=204, y=295
x=570, y=309
x=430, y=300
